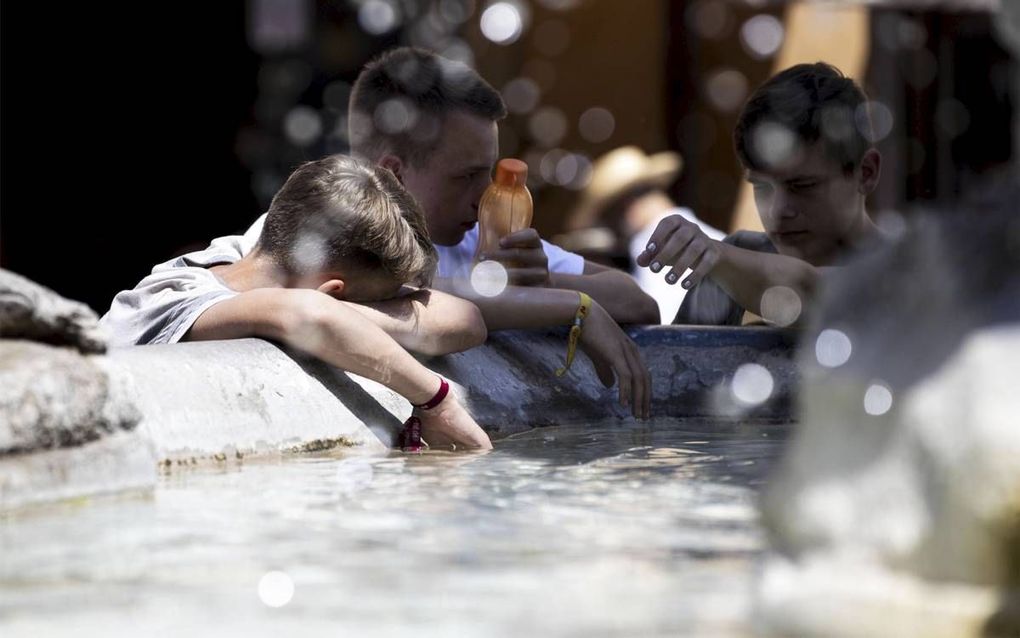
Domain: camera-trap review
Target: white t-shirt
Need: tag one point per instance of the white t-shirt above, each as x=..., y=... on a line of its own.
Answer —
x=164, y=305
x=455, y=261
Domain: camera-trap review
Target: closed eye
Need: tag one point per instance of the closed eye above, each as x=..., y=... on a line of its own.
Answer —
x=469, y=176
x=799, y=187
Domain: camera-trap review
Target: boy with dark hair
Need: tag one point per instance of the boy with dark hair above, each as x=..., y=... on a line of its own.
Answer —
x=338, y=231
x=803, y=139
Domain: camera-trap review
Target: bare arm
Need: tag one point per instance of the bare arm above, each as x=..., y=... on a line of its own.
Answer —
x=610, y=350
x=334, y=332
x=745, y=275
x=527, y=264
x=617, y=291
x=427, y=321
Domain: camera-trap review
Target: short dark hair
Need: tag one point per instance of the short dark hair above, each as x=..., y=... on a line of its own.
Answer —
x=400, y=101
x=814, y=102
x=337, y=211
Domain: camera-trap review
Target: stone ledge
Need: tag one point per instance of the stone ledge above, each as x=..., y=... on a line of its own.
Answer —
x=218, y=400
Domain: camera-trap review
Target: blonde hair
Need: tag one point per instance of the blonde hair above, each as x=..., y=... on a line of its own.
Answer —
x=338, y=211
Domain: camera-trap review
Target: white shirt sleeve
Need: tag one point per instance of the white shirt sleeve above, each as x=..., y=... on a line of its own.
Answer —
x=563, y=261
x=163, y=306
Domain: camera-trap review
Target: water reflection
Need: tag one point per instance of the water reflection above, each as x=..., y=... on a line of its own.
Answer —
x=645, y=529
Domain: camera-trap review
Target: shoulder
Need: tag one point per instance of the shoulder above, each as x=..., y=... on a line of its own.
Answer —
x=163, y=306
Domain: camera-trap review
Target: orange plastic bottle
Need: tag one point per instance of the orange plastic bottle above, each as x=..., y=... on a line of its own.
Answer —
x=505, y=207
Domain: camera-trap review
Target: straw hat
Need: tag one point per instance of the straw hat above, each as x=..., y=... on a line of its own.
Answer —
x=619, y=171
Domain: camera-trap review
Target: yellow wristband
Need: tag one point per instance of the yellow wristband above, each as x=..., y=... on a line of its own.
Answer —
x=575, y=332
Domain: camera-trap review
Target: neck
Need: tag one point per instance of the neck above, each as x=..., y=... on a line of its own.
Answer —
x=254, y=270
x=862, y=230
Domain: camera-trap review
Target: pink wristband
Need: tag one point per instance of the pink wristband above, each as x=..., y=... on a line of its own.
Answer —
x=444, y=389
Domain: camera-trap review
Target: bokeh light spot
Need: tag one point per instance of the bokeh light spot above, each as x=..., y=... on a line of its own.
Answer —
x=276, y=589
x=833, y=348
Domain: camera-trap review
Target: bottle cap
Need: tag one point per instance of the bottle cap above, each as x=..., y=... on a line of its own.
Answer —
x=511, y=172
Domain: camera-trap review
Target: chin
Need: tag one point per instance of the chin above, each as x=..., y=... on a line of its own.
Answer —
x=791, y=251
x=451, y=239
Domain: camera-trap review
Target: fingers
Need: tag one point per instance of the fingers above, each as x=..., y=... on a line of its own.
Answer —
x=640, y=380
x=680, y=245
x=686, y=259
x=661, y=236
x=525, y=257
x=613, y=352
x=604, y=371
x=524, y=238
x=625, y=377
x=448, y=423
x=699, y=270
x=683, y=248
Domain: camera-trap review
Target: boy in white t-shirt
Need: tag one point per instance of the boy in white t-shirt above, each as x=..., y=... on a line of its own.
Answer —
x=339, y=234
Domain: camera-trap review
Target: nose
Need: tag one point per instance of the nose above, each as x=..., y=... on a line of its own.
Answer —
x=781, y=208
x=476, y=197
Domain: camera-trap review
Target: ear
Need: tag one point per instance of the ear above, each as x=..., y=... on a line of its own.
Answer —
x=333, y=287
x=394, y=164
x=871, y=170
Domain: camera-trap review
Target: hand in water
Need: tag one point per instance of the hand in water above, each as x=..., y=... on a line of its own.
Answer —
x=449, y=424
x=612, y=351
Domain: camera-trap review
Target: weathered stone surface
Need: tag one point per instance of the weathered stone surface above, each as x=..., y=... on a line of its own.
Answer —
x=896, y=510
x=511, y=385
x=67, y=427
x=31, y=311
x=209, y=398
x=55, y=397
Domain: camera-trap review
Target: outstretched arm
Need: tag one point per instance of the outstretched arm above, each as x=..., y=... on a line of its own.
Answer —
x=319, y=325
x=617, y=292
x=745, y=275
x=611, y=351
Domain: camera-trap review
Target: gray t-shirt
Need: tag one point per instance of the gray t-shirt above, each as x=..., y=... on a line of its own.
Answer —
x=164, y=305
x=707, y=304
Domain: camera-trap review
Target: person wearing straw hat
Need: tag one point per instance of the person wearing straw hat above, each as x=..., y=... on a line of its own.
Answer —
x=621, y=206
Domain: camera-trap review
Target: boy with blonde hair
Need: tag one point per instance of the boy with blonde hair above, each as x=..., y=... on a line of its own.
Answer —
x=341, y=240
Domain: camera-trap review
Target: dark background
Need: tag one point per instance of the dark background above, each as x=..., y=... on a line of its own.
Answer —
x=134, y=133
x=118, y=135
